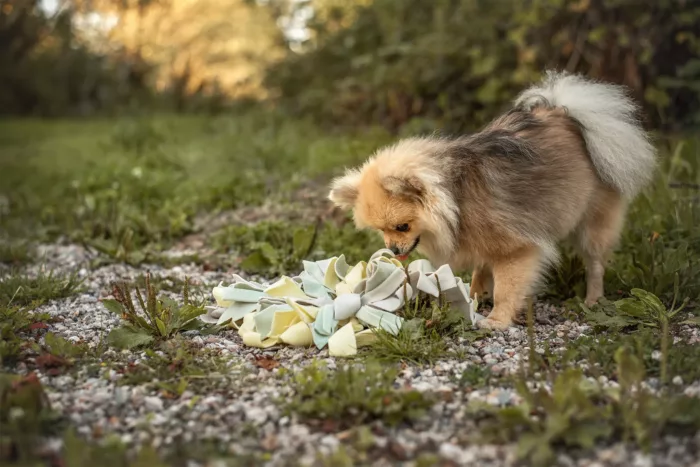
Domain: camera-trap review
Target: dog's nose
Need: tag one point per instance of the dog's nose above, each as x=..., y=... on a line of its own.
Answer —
x=394, y=249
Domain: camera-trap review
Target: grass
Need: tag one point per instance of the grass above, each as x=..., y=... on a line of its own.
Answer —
x=177, y=365
x=15, y=252
x=566, y=403
x=577, y=413
x=154, y=175
x=273, y=248
x=15, y=321
x=423, y=338
x=24, y=289
x=351, y=396
x=20, y=294
x=660, y=243
x=131, y=188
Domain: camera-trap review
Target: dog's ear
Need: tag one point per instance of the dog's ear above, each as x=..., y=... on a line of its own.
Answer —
x=344, y=190
x=408, y=187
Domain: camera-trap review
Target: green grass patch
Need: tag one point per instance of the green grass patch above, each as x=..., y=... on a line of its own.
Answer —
x=24, y=289
x=422, y=339
x=176, y=366
x=15, y=253
x=14, y=321
x=277, y=248
x=579, y=413
x=660, y=243
x=352, y=395
x=20, y=294
x=129, y=187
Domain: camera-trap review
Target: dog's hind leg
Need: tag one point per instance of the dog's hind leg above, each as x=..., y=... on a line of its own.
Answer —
x=514, y=276
x=482, y=282
x=597, y=235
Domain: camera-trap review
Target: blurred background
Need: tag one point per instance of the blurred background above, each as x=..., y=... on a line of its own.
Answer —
x=206, y=131
x=447, y=63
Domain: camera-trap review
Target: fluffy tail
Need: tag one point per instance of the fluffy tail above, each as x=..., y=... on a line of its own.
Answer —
x=618, y=145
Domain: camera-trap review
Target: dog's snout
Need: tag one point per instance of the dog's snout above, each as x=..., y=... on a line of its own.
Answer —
x=394, y=249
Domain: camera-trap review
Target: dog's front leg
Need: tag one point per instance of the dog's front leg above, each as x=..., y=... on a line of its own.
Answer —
x=514, y=277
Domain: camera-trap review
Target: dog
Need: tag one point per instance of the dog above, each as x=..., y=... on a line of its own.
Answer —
x=563, y=162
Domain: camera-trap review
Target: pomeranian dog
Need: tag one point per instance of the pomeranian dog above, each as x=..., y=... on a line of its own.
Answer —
x=564, y=161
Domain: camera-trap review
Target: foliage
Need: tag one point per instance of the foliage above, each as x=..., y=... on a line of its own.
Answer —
x=175, y=366
x=578, y=413
x=641, y=309
x=15, y=252
x=660, y=242
x=352, y=395
x=423, y=337
x=155, y=182
x=14, y=321
x=23, y=289
x=275, y=248
x=597, y=353
x=393, y=61
x=56, y=65
x=25, y=415
x=46, y=70
x=158, y=319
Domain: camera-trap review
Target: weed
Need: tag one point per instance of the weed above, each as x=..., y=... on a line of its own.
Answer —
x=159, y=318
x=422, y=337
x=269, y=247
x=412, y=344
x=25, y=415
x=23, y=289
x=176, y=367
x=568, y=279
x=15, y=320
x=474, y=376
x=661, y=241
x=577, y=413
x=598, y=354
x=352, y=395
x=275, y=248
x=642, y=309
x=15, y=252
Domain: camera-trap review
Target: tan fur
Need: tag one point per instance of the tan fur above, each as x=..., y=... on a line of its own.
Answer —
x=500, y=215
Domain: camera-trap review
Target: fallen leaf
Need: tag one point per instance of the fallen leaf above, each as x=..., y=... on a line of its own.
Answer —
x=35, y=326
x=329, y=426
x=51, y=363
x=398, y=450
x=30, y=380
x=266, y=363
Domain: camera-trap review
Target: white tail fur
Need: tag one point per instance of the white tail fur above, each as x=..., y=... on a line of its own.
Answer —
x=618, y=145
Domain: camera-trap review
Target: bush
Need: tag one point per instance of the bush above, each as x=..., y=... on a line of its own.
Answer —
x=457, y=62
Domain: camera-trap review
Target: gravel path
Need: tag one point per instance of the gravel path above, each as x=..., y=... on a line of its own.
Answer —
x=237, y=407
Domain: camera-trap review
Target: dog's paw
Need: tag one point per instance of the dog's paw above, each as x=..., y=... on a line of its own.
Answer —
x=493, y=324
x=590, y=301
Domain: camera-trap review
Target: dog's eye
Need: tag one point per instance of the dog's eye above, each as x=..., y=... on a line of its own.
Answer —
x=402, y=227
